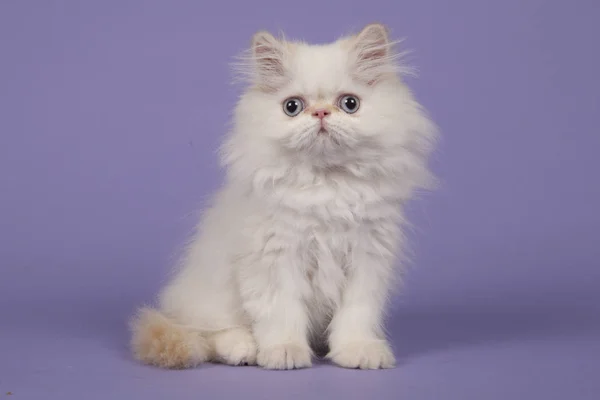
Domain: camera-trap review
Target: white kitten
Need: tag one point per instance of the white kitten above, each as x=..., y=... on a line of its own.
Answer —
x=298, y=248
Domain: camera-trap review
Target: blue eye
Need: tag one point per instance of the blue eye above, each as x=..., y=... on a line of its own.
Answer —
x=293, y=106
x=349, y=103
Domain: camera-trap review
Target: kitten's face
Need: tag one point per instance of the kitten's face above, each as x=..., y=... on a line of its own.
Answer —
x=324, y=103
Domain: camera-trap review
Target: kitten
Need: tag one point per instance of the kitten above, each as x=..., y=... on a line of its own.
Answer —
x=297, y=252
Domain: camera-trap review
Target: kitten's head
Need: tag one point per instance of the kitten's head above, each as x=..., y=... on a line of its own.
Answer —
x=325, y=104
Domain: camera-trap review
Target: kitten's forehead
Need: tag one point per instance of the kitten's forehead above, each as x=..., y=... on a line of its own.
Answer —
x=320, y=70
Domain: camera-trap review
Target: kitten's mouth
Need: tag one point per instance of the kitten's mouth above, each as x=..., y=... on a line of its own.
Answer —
x=322, y=131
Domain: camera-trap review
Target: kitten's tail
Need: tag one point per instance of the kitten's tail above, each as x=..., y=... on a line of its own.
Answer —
x=160, y=341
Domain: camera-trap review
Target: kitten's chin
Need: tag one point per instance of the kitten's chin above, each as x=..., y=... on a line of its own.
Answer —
x=325, y=149
x=319, y=145
x=324, y=140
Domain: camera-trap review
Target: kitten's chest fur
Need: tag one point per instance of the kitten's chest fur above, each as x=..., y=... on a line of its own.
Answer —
x=334, y=201
x=323, y=219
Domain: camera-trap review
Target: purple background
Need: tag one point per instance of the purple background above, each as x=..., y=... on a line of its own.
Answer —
x=110, y=115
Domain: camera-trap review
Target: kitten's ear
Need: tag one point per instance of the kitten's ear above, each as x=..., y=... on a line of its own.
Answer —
x=269, y=55
x=372, y=53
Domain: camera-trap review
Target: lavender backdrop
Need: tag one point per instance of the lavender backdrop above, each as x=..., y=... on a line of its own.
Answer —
x=110, y=114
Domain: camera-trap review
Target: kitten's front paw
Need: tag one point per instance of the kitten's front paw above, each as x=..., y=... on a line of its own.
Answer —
x=285, y=356
x=368, y=354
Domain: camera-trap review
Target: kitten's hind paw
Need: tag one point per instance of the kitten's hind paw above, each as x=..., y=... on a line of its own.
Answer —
x=285, y=356
x=368, y=354
x=235, y=347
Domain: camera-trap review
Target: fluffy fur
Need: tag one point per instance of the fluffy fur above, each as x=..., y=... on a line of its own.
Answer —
x=297, y=252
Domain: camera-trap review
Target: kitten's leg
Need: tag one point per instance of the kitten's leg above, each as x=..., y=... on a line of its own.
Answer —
x=272, y=291
x=357, y=339
x=234, y=346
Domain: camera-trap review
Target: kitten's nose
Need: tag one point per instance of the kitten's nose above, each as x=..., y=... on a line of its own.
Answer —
x=321, y=113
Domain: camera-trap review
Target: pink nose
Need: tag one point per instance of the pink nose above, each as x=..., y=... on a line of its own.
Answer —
x=321, y=113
